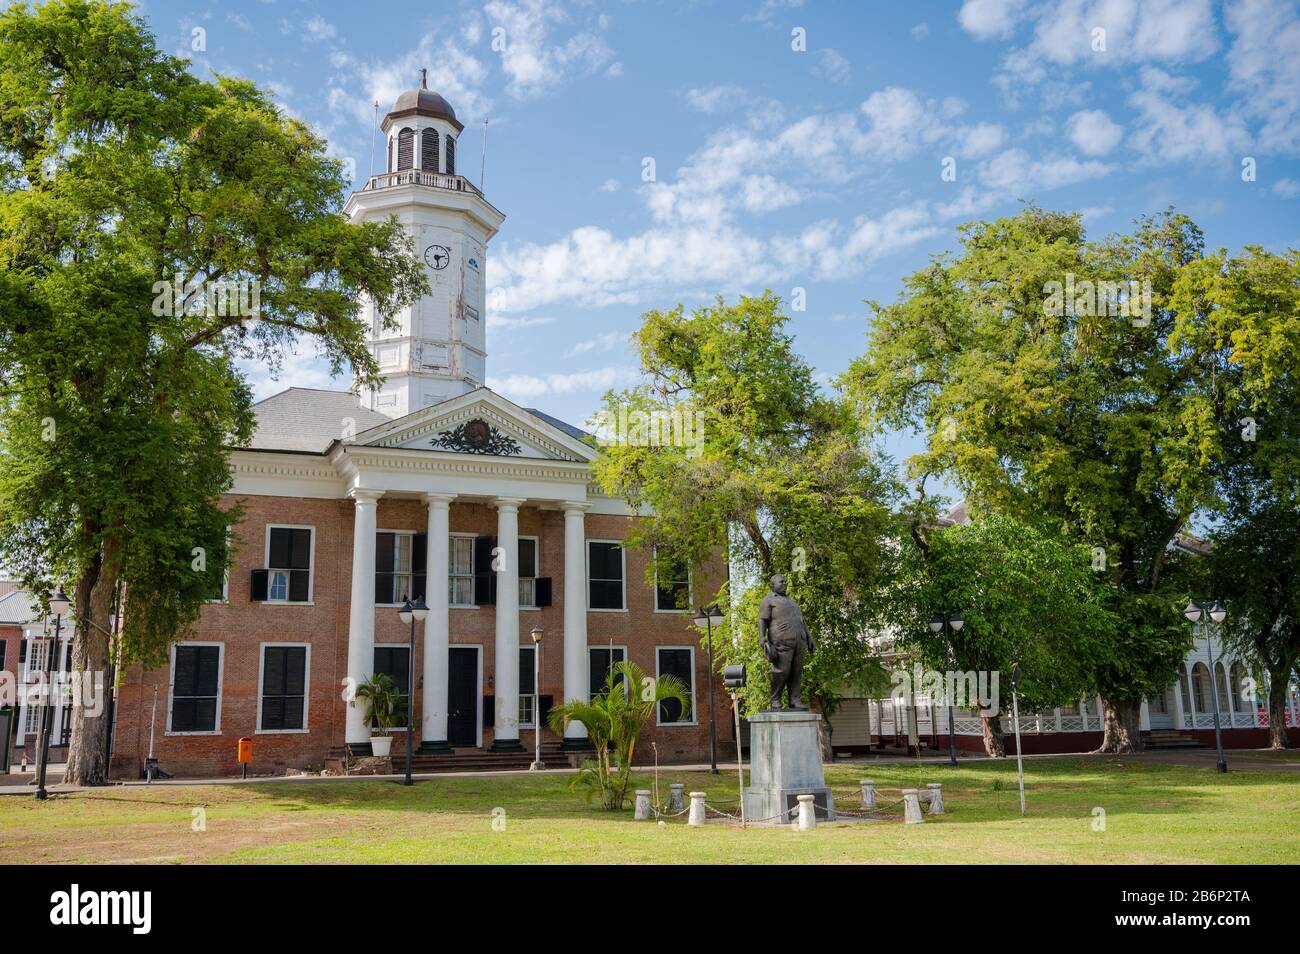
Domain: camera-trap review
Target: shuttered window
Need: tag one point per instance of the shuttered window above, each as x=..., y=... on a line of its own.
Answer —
x=289, y=565
x=672, y=584
x=429, y=150
x=405, y=149
x=680, y=663
x=599, y=662
x=400, y=560
x=196, y=681
x=462, y=571
x=451, y=156
x=395, y=663
x=604, y=575
x=284, y=688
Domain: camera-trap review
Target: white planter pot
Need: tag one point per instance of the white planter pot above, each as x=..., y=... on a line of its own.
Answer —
x=381, y=744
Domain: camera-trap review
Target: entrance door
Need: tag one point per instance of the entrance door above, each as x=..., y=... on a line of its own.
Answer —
x=462, y=697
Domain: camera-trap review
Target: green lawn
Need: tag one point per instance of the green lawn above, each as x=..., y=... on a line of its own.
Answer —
x=1154, y=813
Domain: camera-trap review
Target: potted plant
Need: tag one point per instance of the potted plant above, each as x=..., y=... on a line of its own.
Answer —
x=384, y=703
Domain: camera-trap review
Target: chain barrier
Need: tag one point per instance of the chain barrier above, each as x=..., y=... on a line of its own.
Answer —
x=885, y=809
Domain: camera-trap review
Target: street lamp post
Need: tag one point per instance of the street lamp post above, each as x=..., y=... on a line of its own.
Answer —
x=59, y=606
x=536, y=633
x=954, y=622
x=411, y=613
x=1202, y=614
x=704, y=620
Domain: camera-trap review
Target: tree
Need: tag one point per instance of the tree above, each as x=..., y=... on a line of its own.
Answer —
x=1025, y=596
x=614, y=720
x=776, y=472
x=135, y=201
x=1249, y=307
x=1055, y=392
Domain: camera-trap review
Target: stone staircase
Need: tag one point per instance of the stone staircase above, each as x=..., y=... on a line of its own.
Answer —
x=1171, y=739
x=468, y=760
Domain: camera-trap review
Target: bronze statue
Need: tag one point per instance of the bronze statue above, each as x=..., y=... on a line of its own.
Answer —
x=786, y=642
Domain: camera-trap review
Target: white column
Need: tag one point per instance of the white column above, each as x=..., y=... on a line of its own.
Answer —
x=361, y=617
x=1178, y=701
x=437, y=625
x=506, y=733
x=576, y=659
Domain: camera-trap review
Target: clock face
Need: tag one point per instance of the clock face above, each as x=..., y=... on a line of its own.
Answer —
x=437, y=256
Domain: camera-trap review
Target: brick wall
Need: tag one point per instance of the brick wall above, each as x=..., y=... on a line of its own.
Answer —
x=242, y=626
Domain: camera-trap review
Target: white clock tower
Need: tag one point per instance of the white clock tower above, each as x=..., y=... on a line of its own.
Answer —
x=438, y=352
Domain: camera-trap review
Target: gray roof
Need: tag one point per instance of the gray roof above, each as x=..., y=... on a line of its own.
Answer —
x=424, y=102
x=17, y=608
x=569, y=429
x=309, y=420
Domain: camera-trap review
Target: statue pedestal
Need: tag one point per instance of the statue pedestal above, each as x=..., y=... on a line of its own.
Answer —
x=785, y=761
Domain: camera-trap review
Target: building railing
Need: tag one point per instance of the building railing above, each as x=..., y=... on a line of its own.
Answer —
x=433, y=180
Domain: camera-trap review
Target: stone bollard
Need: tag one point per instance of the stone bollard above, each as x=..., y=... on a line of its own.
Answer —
x=642, y=805
x=936, y=798
x=807, y=813
x=676, y=798
x=696, y=817
x=868, y=793
x=912, y=807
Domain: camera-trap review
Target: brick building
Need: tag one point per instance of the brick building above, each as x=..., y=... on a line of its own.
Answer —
x=431, y=485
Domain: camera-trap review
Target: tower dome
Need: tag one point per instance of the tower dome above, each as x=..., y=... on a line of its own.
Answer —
x=423, y=102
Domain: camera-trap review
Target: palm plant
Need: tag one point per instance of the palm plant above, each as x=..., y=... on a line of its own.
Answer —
x=383, y=699
x=614, y=720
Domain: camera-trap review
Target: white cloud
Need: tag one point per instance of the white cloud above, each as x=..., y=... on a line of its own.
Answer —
x=606, y=342
x=1168, y=131
x=920, y=31
x=987, y=19
x=1093, y=132
x=711, y=99
x=1286, y=188
x=533, y=61
x=610, y=185
x=520, y=386
x=1264, y=67
x=979, y=140
x=318, y=28
x=1014, y=172
x=832, y=66
x=495, y=321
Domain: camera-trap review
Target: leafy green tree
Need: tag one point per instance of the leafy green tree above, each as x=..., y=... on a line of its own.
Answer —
x=781, y=476
x=119, y=173
x=1055, y=411
x=1247, y=308
x=1026, y=596
x=614, y=720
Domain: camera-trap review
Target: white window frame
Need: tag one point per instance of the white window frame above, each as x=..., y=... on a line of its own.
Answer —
x=171, y=686
x=311, y=564
x=537, y=569
x=690, y=589
x=261, y=685
x=451, y=576
x=622, y=556
x=694, y=691
x=605, y=648
x=410, y=573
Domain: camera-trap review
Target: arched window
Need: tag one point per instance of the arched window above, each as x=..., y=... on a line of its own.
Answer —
x=429, y=150
x=405, y=148
x=1221, y=683
x=1201, y=687
x=451, y=156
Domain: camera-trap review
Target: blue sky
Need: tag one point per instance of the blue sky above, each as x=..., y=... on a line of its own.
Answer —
x=776, y=167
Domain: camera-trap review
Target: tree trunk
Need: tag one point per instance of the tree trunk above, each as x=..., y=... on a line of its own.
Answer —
x=1277, y=682
x=1122, y=735
x=88, y=746
x=993, y=743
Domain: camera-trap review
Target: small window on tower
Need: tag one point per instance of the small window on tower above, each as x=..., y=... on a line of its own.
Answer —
x=451, y=156
x=429, y=150
x=405, y=148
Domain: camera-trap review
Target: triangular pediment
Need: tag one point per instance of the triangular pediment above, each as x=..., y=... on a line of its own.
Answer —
x=481, y=422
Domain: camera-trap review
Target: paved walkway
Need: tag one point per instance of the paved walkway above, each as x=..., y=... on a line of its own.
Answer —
x=1238, y=760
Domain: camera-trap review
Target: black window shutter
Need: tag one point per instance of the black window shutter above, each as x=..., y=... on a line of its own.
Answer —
x=544, y=705
x=451, y=156
x=542, y=591
x=22, y=652
x=300, y=555
x=298, y=585
x=257, y=592
x=429, y=150
x=384, y=567
x=405, y=148
x=526, y=687
x=485, y=578
x=489, y=711
x=281, y=545
x=419, y=566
